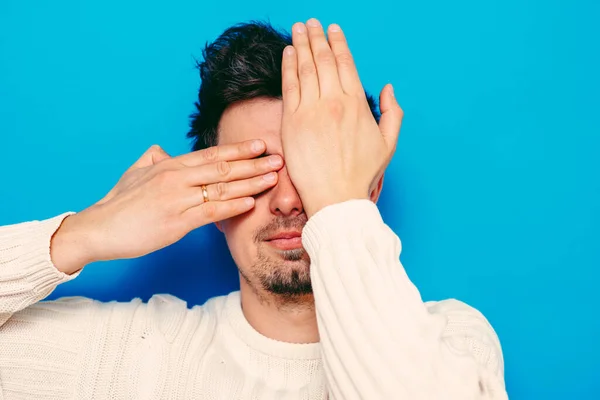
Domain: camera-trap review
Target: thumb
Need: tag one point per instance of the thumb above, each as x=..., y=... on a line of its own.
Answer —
x=152, y=156
x=391, y=115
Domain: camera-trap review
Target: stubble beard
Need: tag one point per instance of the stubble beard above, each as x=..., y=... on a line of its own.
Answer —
x=287, y=275
x=282, y=275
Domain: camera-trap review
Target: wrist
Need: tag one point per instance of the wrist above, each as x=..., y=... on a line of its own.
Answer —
x=70, y=245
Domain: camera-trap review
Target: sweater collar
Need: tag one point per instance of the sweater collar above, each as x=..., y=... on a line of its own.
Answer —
x=275, y=348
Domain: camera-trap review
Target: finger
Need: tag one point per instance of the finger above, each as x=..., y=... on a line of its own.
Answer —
x=391, y=116
x=228, y=152
x=152, y=156
x=347, y=72
x=327, y=73
x=248, y=187
x=223, y=191
x=227, y=171
x=307, y=71
x=290, y=85
x=214, y=211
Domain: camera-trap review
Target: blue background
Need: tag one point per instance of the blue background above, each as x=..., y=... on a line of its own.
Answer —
x=494, y=189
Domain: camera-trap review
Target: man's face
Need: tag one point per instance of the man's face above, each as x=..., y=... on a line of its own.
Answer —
x=265, y=243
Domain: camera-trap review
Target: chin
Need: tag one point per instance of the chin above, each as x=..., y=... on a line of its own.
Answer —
x=292, y=283
x=295, y=255
x=282, y=272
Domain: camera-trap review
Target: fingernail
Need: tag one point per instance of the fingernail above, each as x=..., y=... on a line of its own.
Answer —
x=270, y=177
x=313, y=22
x=392, y=90
x=257, y=146
x=334, y=28
x=289, y=51
x=249, y=201
x=299, y=28
x=275, y=161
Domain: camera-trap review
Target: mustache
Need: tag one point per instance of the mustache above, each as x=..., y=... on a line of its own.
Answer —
x=279, y=224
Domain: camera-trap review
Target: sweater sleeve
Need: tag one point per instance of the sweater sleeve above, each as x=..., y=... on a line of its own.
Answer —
x=378, y=339
x=76, y=347
x=27, y=274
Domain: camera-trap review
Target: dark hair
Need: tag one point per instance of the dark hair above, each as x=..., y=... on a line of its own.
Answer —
x=242, y=64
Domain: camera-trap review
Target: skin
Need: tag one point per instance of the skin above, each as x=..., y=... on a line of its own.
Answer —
x=158, y=200
x=277, y=209
x=329, y=139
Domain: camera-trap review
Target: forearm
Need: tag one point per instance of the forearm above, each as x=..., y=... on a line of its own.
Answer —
x=378, y=338
x=27, y=273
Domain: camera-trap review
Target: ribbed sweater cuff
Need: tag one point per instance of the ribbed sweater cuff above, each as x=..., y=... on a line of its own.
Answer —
x=332, y=221
x=27, y=273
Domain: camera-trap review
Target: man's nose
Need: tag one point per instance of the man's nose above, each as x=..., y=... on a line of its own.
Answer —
x=284, y=199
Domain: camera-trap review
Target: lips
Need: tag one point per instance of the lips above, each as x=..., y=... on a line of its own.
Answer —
x=285, y=235
x=286, y=240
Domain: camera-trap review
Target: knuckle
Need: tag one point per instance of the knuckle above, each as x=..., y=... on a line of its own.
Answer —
x=223, y=168
x=290, y=87
x=167, y=165
x=335, y=108
x=221, y=189
x=165, y=177
x=344, y=59
x=400, y=112
x=307, y=69
x=211, y=153
x=325, y=58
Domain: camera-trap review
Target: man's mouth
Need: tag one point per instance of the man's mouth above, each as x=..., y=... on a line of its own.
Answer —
x=288, y=240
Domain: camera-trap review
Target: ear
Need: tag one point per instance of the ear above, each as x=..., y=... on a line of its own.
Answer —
x=375, y=192
x=219, y=226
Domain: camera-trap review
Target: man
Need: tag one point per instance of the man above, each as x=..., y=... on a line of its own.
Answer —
x=289, y=162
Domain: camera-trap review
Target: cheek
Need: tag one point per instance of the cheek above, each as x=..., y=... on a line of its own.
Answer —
x=239, y=233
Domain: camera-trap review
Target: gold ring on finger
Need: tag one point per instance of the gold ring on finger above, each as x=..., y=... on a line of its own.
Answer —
x=204, y=193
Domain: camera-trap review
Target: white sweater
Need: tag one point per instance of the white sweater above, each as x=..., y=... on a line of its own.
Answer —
x=378, y=339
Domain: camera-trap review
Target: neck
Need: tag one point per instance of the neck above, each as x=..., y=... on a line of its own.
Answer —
x=285, y=320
